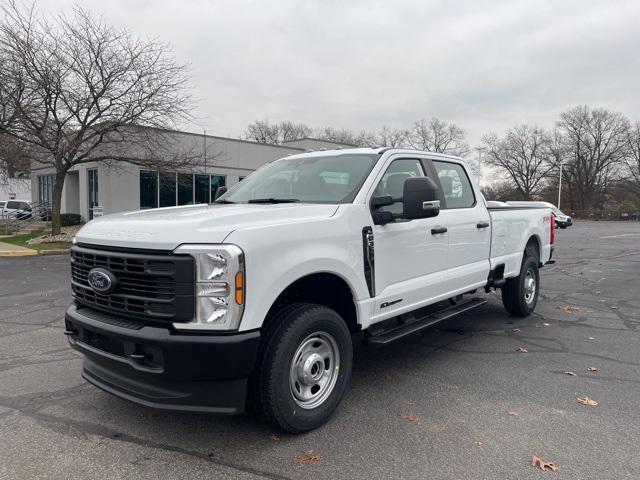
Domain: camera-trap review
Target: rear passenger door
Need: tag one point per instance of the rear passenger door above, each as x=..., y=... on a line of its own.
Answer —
x=468, y=222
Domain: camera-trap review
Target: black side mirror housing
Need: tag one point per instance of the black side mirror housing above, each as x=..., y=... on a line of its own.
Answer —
x=420, y=198
x=221, y=191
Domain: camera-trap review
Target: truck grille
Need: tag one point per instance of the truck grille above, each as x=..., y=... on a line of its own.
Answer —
x=153, y=286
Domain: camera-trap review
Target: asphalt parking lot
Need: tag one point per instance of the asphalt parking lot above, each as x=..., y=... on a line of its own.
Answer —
x=458, y=401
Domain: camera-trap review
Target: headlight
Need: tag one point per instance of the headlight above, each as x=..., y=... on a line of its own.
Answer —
x=219, y=286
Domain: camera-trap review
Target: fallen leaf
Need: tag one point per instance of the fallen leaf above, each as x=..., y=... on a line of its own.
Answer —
x=546, y=324
x=570, y=310
x=592, y=369
x=536, y=461
x=477, y=444
x=306, y=457
x=409, y=417
x=571, y=374
x=591, y=338
x=275, y=438
x=513, y=414
x=587, y=401
x=522, y=350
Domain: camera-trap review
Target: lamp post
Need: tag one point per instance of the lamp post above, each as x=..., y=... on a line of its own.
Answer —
x=480, y=150
x=559, y=185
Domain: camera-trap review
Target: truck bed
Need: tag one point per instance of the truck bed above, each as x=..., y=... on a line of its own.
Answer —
x=511, y=228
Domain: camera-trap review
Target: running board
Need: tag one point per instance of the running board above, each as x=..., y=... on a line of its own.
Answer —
x=413, y=326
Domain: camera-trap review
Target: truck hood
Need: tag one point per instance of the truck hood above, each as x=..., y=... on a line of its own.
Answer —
x=167, y=228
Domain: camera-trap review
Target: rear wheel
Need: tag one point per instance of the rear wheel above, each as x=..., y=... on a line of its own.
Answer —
x=303, y=369
x=520, y=294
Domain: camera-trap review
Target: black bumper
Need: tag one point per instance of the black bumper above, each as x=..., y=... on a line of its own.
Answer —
x=161, y=368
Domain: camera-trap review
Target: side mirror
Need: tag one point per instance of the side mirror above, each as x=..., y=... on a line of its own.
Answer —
x=221, y=191
x=420, y=198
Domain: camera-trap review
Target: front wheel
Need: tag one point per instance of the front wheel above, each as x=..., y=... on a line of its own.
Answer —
x=520, y=294
x=303, y=369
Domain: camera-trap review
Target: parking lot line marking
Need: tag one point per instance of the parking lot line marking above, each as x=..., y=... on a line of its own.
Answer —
x=622, y=235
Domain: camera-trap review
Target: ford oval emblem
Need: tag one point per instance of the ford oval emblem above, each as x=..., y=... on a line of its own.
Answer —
x=101, y=280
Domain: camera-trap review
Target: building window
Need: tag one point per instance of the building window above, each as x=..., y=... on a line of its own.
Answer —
x=148, y=189
x=185, y=188
x=217, y=181
x=167, y=189
x=201, y=188
x=45, y=188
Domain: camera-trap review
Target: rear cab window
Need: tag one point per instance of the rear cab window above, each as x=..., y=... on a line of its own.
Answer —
x=455, y=184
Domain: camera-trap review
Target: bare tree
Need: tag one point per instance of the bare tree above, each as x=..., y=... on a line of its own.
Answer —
x=337, y=135
x=391, y=137
x=438, y=136
x=501, y=192
x=633, y=160
x=263, y=131
x=524, y=154
x=595, y=144
x=14, y=159
x=77, y=90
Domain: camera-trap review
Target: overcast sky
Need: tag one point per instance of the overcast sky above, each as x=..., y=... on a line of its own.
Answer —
x=486, y=65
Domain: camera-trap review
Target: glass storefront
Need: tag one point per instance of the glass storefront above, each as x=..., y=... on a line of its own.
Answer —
x=148, y=189
x=45, y=188
x=168, y=189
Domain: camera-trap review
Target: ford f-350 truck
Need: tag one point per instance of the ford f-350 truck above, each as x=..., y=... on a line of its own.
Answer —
x=255, y=299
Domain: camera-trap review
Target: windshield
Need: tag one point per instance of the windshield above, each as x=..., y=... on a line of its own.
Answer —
x=557, y=212
x=330, y=179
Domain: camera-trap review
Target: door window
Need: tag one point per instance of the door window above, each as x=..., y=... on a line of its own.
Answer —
x=392, y=182
x=455, y=184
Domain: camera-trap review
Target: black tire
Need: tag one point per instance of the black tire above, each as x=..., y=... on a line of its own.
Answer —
x=516, y=297
x=273, y=383
x=563, y=226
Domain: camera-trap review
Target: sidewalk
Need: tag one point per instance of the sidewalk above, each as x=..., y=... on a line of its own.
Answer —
x=8, y=250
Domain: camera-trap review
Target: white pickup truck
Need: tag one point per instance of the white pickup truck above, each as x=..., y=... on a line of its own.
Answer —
x=256, y=298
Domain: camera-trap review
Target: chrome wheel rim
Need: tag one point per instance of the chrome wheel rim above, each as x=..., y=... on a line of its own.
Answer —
x=529, y=286
x=314, y=370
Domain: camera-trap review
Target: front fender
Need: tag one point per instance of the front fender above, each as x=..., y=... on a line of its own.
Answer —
x=278, y=256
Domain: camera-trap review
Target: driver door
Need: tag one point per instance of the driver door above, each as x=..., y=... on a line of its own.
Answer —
x=410, y=260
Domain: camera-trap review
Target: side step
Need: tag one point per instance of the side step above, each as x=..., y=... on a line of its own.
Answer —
x=417, y=324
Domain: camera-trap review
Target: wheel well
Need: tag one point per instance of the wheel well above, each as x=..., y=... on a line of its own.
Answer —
x=325, y=289
x=533, y=248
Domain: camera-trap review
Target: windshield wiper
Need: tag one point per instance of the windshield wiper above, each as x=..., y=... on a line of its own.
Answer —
x=222, y=200
x=273, y=200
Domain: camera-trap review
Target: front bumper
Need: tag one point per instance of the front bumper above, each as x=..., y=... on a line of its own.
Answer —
x=161, y=368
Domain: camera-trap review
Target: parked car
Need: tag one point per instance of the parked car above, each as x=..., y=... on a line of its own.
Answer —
x=561, y=220
x=257, y=297
x=19, y=209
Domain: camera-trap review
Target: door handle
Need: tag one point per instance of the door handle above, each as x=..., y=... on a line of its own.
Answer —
x=482, y=224
x=437, y=230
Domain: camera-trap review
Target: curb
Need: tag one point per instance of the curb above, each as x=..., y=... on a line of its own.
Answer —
x=18, y=253
x=54, y=252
